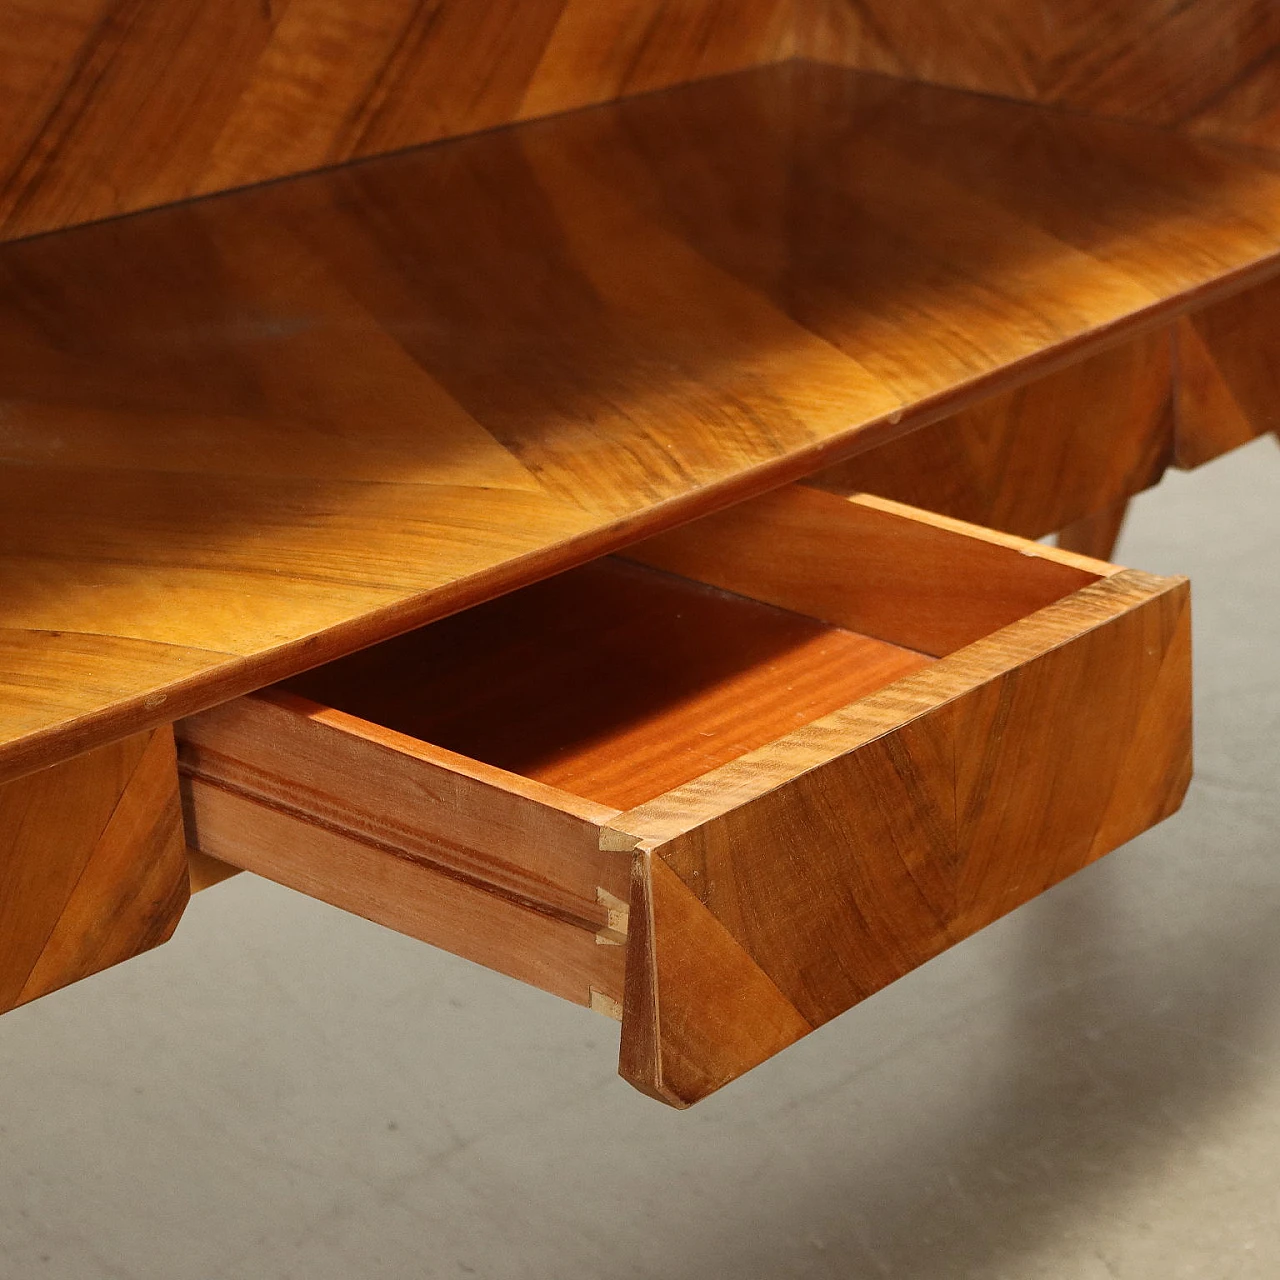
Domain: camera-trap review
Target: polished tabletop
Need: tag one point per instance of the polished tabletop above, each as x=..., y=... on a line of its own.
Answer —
x=246, y=434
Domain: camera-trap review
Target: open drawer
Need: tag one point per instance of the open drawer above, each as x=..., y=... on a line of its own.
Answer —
x=730, y=785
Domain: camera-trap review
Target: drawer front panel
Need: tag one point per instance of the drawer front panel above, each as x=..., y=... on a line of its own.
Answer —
x=1030, y=755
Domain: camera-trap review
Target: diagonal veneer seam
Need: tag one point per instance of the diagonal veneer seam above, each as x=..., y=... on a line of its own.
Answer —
x=88, y=860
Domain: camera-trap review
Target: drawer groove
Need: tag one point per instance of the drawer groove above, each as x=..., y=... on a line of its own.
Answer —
x=198, y=779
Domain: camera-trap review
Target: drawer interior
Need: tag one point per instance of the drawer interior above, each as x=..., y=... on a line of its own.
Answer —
x=614, y=681
x=619, y=681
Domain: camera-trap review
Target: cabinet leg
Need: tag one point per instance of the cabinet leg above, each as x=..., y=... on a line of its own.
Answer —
x=206, y=871
x=1096, y=535
x=92, y=864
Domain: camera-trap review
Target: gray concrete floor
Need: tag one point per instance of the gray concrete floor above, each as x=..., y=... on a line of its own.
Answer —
x=1089, y=1089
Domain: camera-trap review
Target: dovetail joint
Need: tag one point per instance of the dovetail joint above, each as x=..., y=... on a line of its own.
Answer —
x=606, y=1004
x=614, y=933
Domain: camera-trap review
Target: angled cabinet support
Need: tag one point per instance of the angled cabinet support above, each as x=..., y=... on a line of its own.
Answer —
x=93, y=866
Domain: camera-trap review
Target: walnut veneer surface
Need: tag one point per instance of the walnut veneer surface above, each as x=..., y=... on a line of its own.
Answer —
x=249, y=434
x=93, y=869
x=1210, y=67
x=115, y=105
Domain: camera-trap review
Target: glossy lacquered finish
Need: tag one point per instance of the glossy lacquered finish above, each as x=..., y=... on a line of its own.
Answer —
x=247, y=435
x=115, y=105
x=1065, y=452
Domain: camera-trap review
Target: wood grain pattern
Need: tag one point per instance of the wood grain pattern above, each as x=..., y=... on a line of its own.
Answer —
x=1208, y=66
x=408, y=894
x=1034, y=460
x=796, y=861
x=116, y=105
x=1096, y=534
x=346, y=869
x=523, y=840
x=908, y=821
x=904, y=576
x=1073, y=796
x=248, y=435
x=610, y=681
x=697, y=1006
x=1229, y=375
x=204, y=872
x=92, y=865
x=504, y=872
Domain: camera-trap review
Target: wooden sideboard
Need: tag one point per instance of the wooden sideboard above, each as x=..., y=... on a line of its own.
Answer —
x=476, y=532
